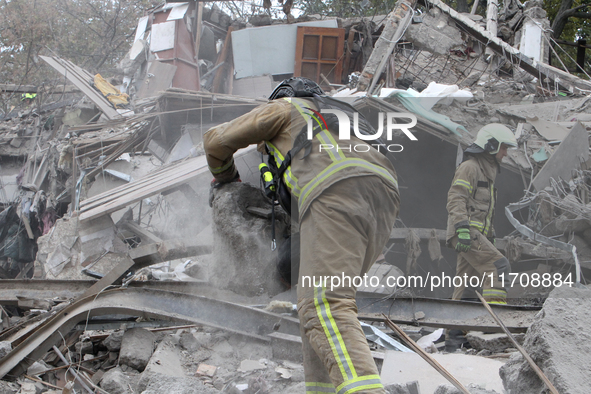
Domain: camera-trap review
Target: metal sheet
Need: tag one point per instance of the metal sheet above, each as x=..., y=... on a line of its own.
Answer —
x=162, y=36
x=178, y=12
x=141, y=28
x=445, y=313
x=254, y=54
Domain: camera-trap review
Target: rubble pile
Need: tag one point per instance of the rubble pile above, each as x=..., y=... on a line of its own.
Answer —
x=108, y=243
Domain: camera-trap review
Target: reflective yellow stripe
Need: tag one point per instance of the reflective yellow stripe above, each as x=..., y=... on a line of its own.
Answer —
x=332, y=152
x=218, y=170
x=466, y=184
x=497, y=302
x=290, y=180
x=490, y=209
x=361, y=383
x=319, y=387
x=494, y=292
x=477, y=224
x=338, y=166
x=325, y=135
x=333, y=335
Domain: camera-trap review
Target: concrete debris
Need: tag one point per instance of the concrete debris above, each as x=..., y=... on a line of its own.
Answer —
x=137, y=346
x=114, y=381
x=495, y=343
x=113, y=341
x=157, y=384
x=241, y=237
x=447, y=389
x=8, y=387
x=91, y=190
x=558, y=342
x=408, y=388
x=5, y=348
x=436, y=34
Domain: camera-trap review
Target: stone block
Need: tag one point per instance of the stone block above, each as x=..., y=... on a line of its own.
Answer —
x=113, y=341
x=114, y=381
x=137, y=346
x=496, y=343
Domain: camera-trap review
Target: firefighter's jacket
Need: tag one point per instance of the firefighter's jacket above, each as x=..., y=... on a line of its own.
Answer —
x=471, y=198
x=276, y=124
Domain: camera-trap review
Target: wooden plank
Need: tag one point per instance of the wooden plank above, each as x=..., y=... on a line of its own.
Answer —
x=150, y=179
x=127, y=198
x=139, y=195
x=79, y=77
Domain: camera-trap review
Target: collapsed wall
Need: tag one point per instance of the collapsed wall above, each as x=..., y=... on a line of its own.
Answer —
x=559, y=342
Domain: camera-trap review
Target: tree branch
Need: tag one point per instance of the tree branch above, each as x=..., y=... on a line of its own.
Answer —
x=582, y=15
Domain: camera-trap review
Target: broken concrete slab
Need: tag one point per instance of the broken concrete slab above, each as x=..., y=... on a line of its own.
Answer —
x=571, y=152
x=165, y=360
x=559, y=343
x=436, y=34
x=137, y=346
x=495, y=343
x=408, y=388
x=448, y=389
x=406, y=367
x=158, y=384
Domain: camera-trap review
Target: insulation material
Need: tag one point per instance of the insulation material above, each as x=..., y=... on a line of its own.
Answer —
x=112, y=94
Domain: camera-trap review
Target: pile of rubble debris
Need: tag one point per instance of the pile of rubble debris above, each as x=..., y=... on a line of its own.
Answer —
x=116, y=277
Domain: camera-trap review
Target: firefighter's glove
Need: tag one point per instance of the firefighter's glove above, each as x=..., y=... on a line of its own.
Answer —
x=464, y=240
x=215, y=184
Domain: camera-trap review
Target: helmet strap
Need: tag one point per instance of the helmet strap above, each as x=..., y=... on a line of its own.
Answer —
x=492, y=145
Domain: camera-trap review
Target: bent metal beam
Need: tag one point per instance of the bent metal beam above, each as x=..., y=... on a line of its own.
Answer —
x=231, y=317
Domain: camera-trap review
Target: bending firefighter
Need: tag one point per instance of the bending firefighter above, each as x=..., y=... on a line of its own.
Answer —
x=471, y=207
x=346, y=203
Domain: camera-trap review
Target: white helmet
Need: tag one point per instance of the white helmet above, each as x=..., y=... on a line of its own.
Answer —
x=490, y=138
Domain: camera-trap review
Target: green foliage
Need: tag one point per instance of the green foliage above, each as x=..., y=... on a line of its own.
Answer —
x=93, y=34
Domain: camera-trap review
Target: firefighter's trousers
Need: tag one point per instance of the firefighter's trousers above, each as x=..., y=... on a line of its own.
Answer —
x=342, y=234
x=481, y=267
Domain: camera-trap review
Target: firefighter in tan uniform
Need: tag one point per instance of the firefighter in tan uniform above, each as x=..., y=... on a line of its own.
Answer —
x=471, y=205
x=346, y=202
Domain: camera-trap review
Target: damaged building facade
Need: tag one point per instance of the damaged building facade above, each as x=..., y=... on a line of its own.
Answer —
x=118, y=277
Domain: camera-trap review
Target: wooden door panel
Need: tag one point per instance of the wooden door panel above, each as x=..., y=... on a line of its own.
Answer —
x=319, y=50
